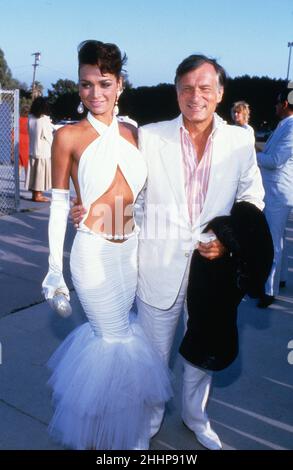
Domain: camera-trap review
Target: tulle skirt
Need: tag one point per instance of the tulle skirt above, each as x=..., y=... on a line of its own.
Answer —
x=106, y=377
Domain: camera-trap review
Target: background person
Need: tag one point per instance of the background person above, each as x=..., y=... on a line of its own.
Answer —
x=40, y=142
x=276, y=166
x=240, y=113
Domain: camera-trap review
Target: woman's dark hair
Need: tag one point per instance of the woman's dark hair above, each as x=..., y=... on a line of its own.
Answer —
x=106, y=56
x=194, y=61
x=39, y=107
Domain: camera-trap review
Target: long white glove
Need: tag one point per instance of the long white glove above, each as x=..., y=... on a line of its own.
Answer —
x=59, y=210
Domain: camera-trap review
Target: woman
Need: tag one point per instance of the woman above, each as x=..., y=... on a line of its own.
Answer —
x=106, y=377
x=240, y=113
x=41, y=137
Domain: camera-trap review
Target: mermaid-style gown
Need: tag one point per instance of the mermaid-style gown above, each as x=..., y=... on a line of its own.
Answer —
x=106, y=377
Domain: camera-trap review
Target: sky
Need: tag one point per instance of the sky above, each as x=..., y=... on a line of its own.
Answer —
x=245, y=36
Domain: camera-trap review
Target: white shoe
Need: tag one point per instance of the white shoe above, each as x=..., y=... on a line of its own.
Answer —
x=141, y=446
x=208, y=438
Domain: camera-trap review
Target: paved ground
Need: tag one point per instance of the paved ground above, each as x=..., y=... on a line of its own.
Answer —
x=251, y=402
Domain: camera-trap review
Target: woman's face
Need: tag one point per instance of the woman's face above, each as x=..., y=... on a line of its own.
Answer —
x=239, y=117
x=98, y=91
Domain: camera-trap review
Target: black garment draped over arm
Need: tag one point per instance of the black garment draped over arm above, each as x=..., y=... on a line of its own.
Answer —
x=215, y=288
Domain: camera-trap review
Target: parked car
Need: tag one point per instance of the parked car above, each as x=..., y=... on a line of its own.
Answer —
x=64, y=122
x=262, y=135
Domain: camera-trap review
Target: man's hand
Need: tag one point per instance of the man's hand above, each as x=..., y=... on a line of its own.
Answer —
x=211, y=250
x=77, y=212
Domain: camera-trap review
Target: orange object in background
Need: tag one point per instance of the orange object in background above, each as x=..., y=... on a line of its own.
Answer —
x=23, y=142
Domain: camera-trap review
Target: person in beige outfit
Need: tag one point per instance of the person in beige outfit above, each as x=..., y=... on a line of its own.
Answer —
x=41, y=137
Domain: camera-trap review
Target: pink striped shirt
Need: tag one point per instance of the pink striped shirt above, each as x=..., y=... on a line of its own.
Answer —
x=196, y=173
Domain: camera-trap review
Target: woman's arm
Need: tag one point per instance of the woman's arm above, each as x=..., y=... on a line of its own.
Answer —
x=61, y=165
x=61, y=158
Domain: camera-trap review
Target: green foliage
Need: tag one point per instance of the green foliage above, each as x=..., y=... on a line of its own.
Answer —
x=149, y=104
x=6, y=80
x=259, y=92
x=64, y=99
x=38, y=87
x=62, y=87
x=152, y=104
x=5, y=73
x=157, y=103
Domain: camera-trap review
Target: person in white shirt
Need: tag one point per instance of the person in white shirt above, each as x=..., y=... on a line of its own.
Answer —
x=276, y=165
x=40, y=142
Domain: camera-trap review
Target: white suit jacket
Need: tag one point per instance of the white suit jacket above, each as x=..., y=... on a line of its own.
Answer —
x=165, y=246
x=276, y=165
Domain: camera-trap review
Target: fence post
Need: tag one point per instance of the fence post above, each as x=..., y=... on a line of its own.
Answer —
x=16, y=147
x=9, y=151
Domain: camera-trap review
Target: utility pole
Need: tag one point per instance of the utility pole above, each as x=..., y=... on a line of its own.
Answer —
x=35, y=65
x=290, y=44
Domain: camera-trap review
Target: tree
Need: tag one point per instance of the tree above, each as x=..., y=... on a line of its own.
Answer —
x=5, y=72
x=62, y=87
x=6, y=79
x=149, y=104
x=259, y=92
x=64, y=99
x=126, y=83
x=38, y=89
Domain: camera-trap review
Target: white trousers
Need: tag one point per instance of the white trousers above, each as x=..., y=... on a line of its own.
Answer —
x=160, y=327
x=277, y=217
x=284, y=266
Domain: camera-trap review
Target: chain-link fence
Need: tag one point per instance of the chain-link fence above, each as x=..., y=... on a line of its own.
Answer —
x=9, y=139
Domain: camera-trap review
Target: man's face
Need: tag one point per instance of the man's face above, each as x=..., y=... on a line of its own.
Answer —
x=198, y=93
x=281, y=108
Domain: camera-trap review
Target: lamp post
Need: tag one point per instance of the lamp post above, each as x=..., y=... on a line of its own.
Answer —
x=290, y=44
x=35, y=65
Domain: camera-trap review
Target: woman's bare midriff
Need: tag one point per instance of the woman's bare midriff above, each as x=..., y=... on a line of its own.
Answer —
x=112, y=213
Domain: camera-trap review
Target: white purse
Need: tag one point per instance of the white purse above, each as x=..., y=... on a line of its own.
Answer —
x=60, y=304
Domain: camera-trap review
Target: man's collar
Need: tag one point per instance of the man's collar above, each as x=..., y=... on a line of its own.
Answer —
x=283, y=121
x=217, y=122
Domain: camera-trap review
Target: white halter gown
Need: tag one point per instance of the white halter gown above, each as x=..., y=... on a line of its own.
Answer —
x=106, y=377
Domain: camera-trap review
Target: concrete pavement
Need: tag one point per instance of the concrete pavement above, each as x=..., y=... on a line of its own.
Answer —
x=251, y=404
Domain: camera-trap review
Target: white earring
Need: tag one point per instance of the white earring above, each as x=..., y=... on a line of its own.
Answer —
x=116, y=108
x=80, y=108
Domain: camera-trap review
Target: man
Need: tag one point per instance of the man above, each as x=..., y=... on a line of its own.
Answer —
x=197, y=167
x=276, y=165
